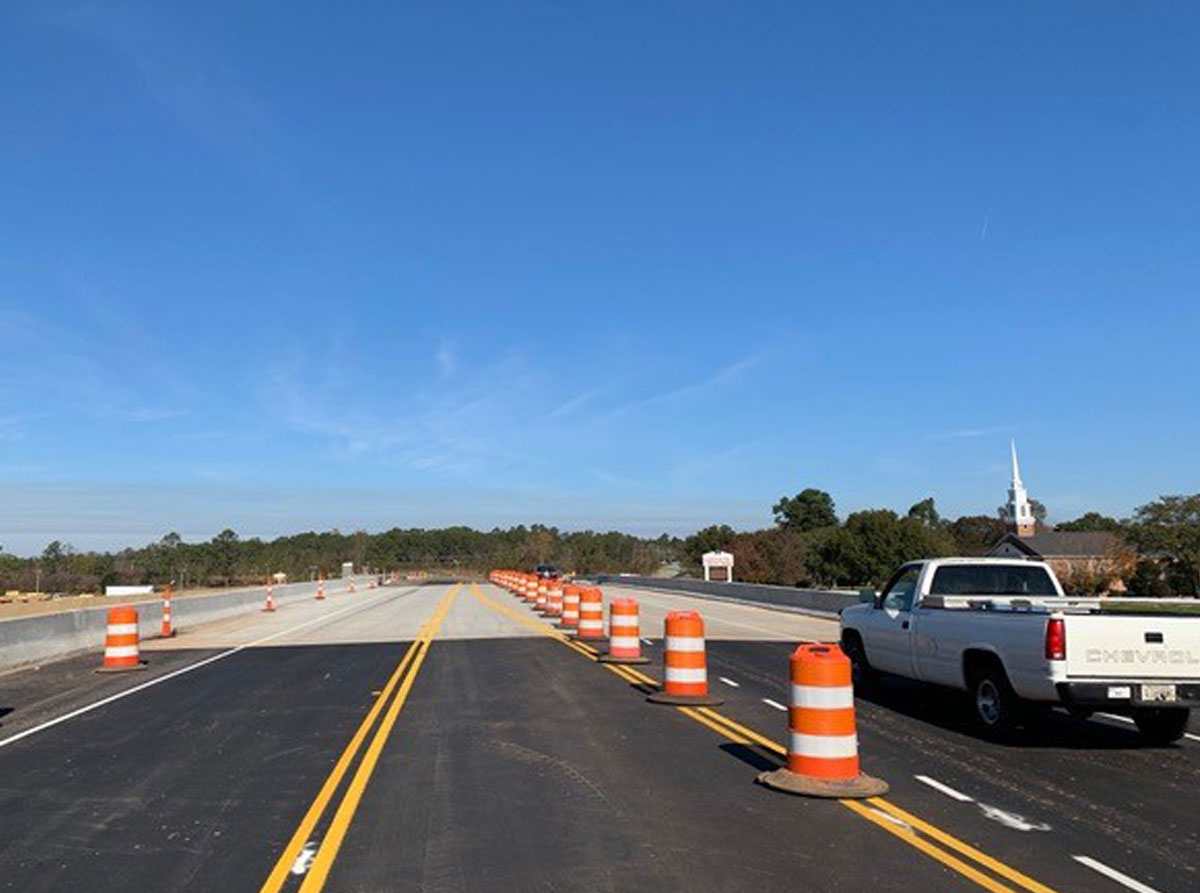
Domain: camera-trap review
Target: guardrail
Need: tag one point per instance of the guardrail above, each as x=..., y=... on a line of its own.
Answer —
x=823, y=602
x=42, y=637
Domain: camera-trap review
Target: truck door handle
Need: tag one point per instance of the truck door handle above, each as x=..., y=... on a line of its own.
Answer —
x=904, y=625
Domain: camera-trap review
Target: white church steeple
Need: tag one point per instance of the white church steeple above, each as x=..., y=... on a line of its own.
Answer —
x=1020, y=512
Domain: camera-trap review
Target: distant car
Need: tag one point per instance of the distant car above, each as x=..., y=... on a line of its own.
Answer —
x=547, y=571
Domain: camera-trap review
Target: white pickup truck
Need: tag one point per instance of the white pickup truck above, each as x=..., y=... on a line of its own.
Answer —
x=1002, y=630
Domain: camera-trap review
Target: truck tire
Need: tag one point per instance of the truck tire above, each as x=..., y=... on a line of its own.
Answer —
x=995, y=707
x=1162, y=725
x=862, y=675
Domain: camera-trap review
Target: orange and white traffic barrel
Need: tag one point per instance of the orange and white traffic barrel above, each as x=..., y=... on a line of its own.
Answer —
x=823, y=743
x=168, y=628
x=121, y=641
x=685, y=671
x=591, y=614
x=570, y=607
x=539, y=603
x=321, y=589
x=351, y=589
x=270, y=605
x=529, y=589
x=554, y=599
x=624, y=638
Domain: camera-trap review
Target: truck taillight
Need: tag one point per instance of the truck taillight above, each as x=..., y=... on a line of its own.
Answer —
x=1056, y=639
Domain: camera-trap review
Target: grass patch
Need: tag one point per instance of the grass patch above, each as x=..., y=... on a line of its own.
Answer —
x=1146, y=606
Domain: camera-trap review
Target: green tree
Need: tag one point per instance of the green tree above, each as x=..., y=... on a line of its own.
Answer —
x=225, y=552
x=771, y=556
x=975, y=534
x=714, y=538
x=810, y=509
x=1089, y=522
x=53, y=556
x=1169, y=529
x=872, y=544
x=1149, y=580
x=925, y=512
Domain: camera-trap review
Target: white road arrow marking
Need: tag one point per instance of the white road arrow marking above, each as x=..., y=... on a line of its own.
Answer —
x=1011, y=819
x=304, y=861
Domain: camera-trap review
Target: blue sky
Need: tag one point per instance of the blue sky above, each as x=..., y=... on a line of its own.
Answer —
x=283, y=266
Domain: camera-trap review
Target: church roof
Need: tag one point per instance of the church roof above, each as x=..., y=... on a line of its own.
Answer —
x=1063, y=544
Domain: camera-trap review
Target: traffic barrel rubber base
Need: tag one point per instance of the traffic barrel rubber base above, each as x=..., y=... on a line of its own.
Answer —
x=662, y=697
x=610, y=659
x=813, y=786
x=141, y=665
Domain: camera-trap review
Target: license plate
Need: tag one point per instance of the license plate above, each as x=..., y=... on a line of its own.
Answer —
x=1158, y=693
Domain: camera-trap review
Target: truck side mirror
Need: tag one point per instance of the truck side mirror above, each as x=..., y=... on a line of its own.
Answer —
x=868, y=596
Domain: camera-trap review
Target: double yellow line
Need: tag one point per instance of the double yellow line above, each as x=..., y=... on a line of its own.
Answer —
x=921, y=835
x=400, y=683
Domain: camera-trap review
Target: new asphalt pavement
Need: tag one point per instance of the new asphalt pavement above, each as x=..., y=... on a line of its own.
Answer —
x=443, y=738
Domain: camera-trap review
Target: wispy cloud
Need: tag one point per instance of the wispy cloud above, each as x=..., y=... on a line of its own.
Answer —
x=15, y=427
x=718, y=461
x=715, y=381
x=447, y=359
x=454, y=425
x=573, y=404
x=968, y=433
x=196, y=87
x=70, y=369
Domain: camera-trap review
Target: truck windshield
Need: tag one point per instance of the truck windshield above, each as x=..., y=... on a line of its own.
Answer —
x=991, y=579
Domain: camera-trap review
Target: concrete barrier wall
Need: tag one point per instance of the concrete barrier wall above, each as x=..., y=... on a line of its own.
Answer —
x=815, y=601
x=43, y=637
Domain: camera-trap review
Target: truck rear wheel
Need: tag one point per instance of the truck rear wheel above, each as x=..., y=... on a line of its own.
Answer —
x=1162, y=725
x=996, y=707
x=861, y=674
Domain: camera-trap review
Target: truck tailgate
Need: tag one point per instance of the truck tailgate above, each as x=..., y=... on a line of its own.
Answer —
x=1116, y=646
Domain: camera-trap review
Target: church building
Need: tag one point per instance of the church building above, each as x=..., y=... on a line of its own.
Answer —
x=1091, y=561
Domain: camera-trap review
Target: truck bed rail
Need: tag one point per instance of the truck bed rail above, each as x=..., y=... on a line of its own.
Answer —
x=1045, y=604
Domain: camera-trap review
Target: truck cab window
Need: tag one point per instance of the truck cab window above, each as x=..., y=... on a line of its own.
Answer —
x=900, y=592
x=992, y=579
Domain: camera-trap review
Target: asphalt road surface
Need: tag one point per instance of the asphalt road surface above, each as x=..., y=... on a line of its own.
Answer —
x=441, y=738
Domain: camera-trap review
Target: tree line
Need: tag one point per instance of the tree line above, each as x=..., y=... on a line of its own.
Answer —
x=227, y=559
x=808, y=545
x=1158, y=546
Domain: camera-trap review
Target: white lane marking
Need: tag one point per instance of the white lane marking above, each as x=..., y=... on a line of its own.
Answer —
x=774, y=704
x=945, y=789
x=304, y=861
x=1114, y=874
x=995, y=813
x=88, y=708
x=1011, y=819
x=1127, y=720
x=729, y=681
